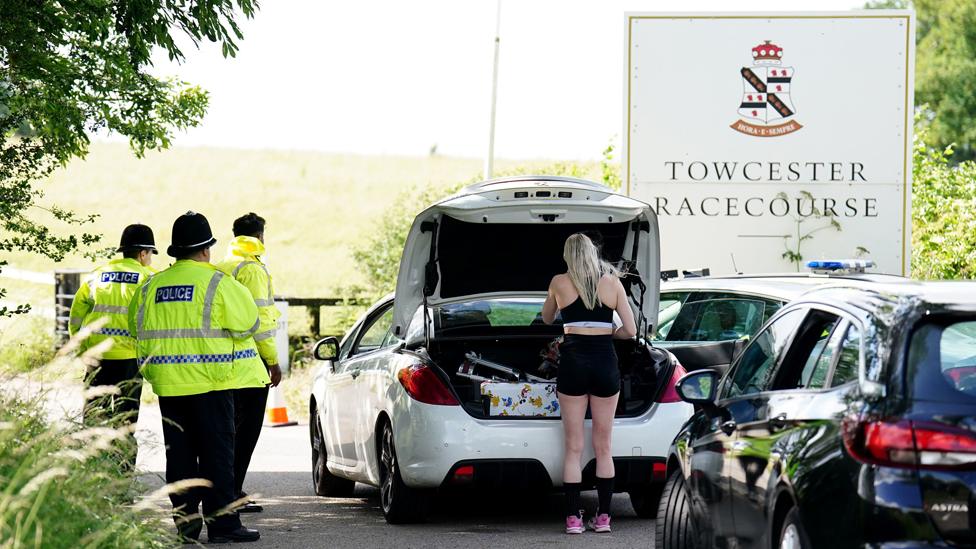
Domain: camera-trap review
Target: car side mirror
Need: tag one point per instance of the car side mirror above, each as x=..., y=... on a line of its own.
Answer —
x=326, y=349
x=739, y=346
x=698, y=387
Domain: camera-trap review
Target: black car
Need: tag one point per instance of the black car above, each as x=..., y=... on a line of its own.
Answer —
x=848, y=421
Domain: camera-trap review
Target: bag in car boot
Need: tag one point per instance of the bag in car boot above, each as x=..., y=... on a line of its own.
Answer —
x=550, y=359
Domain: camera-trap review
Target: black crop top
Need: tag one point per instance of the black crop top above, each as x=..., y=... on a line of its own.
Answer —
x=577, y=312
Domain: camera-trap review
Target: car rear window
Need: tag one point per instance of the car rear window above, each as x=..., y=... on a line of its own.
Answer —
x=942, y=360
x=490, y=313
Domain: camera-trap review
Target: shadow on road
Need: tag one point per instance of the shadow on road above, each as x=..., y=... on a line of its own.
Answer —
x=295, y=517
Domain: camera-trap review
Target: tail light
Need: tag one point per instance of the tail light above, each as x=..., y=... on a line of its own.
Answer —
x=939, y=446
x=659, y=471
x=880, y=442
x=904, y=443
x=424, y=385
x=463, y=474
x=670, y=393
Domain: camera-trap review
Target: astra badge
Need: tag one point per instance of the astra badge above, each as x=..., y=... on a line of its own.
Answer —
x=766, y=106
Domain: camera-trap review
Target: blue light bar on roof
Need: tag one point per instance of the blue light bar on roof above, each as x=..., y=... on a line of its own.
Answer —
x=857, y=265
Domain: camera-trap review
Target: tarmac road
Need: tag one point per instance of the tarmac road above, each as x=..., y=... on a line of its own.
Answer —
x=294, y=517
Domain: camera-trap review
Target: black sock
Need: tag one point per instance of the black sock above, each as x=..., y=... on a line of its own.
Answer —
x=604, y=491
x=572, y=497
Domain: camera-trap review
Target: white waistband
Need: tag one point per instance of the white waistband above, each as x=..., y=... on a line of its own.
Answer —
x=589, y=324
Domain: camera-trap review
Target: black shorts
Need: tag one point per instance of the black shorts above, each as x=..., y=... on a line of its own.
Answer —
x=588, y=366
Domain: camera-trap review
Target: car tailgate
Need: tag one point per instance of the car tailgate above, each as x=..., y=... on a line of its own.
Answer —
x=948, y=490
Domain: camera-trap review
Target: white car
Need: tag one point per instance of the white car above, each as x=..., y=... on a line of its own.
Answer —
x=391, y=405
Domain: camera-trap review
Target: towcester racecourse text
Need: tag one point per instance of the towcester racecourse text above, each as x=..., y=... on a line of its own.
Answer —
x=741, y=174
x=802, y=172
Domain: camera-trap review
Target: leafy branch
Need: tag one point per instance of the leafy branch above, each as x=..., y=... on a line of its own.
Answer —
x=794, y=253
x=70, y=68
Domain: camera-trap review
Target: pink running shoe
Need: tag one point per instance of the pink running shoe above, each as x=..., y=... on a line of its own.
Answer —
x=600, y=523
x=574, y=524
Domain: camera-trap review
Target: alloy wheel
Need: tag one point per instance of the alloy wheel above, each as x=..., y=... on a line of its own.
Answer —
x=388, y=460
x=318, y=456
x=791, y=538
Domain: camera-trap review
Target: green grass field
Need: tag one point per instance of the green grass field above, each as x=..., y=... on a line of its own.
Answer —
x=318, y=205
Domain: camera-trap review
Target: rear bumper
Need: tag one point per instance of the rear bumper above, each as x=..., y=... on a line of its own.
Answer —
x=907, y=545
x=432, y=440
x=630, y=473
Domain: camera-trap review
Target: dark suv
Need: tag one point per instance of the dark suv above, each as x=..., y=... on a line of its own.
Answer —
x=848, y=421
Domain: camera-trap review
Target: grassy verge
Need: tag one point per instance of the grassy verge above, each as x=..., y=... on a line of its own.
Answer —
x=26, y=343
x=62, y=486
x=296, y=389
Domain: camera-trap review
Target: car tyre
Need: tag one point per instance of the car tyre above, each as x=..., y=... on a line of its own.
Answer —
x=324, y=482
x=792, y=535
x=673, y=527
x=646, y=499
x=401, y=504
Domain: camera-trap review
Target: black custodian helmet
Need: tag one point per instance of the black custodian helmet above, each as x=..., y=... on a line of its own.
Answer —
x=191, y=233
x=137, y=237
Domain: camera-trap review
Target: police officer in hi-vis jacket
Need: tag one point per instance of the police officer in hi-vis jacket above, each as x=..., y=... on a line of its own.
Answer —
x=244, y=263
x=193, y=327
x=103, y=300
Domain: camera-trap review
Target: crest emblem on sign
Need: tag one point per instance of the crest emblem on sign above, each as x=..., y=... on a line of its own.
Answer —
x=766, y=107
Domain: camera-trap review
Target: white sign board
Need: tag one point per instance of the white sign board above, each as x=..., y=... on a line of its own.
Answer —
x=758, y=138
x=281, y=337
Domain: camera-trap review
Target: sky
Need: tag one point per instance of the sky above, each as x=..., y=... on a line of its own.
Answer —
x=395, y=77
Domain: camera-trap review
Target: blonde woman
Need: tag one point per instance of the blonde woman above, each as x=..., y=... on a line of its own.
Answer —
x=587, y=296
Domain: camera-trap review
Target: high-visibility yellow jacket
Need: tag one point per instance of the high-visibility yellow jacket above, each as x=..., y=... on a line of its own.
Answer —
x=106, y=293
x=243, y=262
x=193, y=326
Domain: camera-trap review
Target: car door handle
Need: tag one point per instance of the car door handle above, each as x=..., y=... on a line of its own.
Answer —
x=728, y=427
x=777, y=423
x=355, y=373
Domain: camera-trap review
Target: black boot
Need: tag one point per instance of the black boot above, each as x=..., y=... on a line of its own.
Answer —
x=189, y=531
x=250, y=506
x=242, y=534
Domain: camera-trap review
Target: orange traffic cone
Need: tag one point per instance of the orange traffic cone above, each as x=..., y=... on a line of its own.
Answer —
x=277, y=410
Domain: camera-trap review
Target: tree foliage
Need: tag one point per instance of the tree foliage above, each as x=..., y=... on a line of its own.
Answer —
x=943, y=212
x=945, y=73
x=945, y=70
x=378, y=258
x=69, y=68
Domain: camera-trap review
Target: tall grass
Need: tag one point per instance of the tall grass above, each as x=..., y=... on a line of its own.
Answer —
x=62, y=478
x=62, y=486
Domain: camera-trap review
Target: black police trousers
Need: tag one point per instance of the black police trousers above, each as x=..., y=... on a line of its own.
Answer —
x=199, y=434
x=249, y=406
x=117, y=410
x=124, y=406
